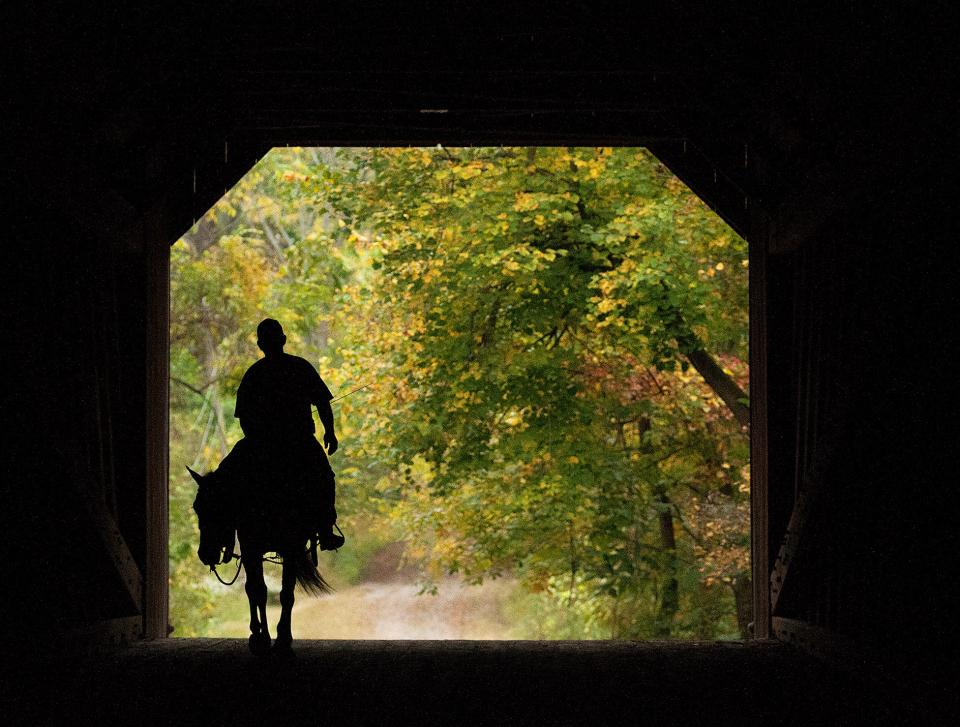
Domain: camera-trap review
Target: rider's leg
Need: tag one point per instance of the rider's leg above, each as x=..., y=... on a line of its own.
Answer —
x=327, y=510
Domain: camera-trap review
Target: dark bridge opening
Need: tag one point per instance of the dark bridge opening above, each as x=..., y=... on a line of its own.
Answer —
x=820, y=137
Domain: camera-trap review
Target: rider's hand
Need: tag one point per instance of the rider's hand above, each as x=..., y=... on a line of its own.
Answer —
x=330, y=442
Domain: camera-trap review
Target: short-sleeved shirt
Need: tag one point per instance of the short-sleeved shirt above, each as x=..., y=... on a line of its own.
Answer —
x=275, y=396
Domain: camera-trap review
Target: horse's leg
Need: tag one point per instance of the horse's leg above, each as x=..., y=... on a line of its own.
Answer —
x=288, y=583
x=256, y=590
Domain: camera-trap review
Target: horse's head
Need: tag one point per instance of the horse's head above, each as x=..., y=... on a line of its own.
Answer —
x=206, y=503
x=213, y=515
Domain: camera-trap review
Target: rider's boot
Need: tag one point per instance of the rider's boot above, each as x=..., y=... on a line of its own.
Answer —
x=329, y=540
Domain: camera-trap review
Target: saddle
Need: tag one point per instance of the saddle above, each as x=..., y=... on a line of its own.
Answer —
x=217, y=517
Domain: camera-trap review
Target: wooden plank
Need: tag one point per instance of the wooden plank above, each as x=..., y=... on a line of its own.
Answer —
x=98, y=208
x=879, y=669
x=105, y=634
x=457, y=127
x=157, y=332
x=114, y=544
x=837, y=650
x=759, y=467
x=713, y=185
x=815, y=640
x=792, y=539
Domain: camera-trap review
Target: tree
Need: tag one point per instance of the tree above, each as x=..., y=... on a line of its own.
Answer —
x=548, y=346
x=538, y=311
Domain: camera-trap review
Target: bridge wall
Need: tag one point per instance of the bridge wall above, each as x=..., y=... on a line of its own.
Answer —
x=820, y=138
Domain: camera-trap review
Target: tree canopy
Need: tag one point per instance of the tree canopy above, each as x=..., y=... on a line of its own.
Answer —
x=552, y=343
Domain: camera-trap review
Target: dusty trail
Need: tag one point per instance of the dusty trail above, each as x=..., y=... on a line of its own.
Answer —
x=396, y=611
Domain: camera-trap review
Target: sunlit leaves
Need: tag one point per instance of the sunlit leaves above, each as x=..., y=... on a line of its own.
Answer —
x=523, y=317
x=536, y=306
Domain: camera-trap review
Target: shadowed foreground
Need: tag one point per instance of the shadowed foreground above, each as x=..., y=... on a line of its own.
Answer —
x=444, y=682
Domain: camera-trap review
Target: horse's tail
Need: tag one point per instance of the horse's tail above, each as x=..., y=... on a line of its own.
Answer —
x=308, y=577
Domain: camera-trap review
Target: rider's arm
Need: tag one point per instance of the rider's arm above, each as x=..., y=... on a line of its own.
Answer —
x=326, y=418
x=320, y=395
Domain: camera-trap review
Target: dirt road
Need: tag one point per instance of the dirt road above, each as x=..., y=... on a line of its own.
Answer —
x=396, y=611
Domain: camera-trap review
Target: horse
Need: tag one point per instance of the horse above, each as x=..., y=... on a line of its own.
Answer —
x=266, y=513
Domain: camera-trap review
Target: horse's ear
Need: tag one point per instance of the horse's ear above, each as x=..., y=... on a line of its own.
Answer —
x=196, y=477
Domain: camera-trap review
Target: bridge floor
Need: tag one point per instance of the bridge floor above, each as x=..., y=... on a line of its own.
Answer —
x=216, y=681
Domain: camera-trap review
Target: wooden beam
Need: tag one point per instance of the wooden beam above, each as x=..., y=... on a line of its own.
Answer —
x=841, y=651
x=759, y=436
x=867, y=665
x=157, y=332
x=105, y=634
x=304, y=86
x=712, y=184
x=815, y=640
x=114, y=544
x=798, y=524
x=820, y=191
x=833, y=648
x=95, y=205
x=432, y=124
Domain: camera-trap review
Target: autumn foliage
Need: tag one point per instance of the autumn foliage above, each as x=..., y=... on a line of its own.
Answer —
x=553, y=345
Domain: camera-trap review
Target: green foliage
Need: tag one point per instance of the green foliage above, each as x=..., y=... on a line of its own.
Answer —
x=533, y=312
x=524, y=317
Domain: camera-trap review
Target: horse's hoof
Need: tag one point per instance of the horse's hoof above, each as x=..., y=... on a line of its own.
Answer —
x=282, y=646
x=259, y=644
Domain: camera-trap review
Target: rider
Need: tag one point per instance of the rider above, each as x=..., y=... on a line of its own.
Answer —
x=274, y=408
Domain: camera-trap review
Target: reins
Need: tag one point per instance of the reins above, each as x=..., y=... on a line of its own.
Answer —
x=235, y=575
x=265, y=559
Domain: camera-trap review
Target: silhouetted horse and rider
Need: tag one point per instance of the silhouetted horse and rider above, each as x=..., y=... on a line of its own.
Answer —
x=275, y=490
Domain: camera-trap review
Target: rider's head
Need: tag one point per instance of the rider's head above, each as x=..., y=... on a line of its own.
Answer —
x=270, y=336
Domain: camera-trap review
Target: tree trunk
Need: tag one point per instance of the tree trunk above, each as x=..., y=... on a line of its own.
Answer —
x=724, y=386
x=670, y=596
x=210, y=366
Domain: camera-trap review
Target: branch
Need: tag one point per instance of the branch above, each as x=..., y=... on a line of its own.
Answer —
x=552, y=332
x=683, y=523
x=662, y=458
x=191, y=387
x=272, y=239
x=450, y=157
x=723, y=385
x=558, y=336
x=653, y=376
x=208, y=232
x=199, y=390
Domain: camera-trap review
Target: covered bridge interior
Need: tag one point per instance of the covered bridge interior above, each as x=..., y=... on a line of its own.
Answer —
x=823, y=139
